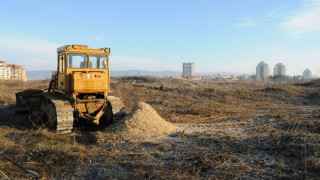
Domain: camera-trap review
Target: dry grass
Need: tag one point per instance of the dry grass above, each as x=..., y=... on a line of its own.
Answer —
x=47, y=153
x=9, y=88
x=205, y=101
x=231, y=131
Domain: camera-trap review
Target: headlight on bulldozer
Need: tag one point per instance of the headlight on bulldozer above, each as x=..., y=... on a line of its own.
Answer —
x=68, y=47
x=107, y=50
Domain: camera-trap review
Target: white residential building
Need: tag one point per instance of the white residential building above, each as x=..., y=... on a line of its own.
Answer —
x=5, y=70
x=188, y=70
x=307, y=74
x=262, y=71
x=279, y=70
x=12, y=71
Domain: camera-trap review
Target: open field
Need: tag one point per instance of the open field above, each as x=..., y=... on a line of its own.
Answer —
x=225, y=131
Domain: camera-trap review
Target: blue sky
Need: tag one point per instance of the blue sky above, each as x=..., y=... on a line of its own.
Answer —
x=219, y=36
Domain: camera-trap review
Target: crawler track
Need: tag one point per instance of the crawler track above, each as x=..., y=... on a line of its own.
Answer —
x=58, y=113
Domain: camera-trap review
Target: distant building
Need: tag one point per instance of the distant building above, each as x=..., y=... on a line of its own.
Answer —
x=176, y=77
x=5, y=70
x=12, y=71
x=242, y=77
x=188, y=70
x=298, y=77
x=193, y=78
x=306, y=74
x=279, y=70
x=262, y=71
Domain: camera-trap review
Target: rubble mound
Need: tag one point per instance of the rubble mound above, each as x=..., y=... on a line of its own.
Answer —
x=272, y=89
x=142, y=124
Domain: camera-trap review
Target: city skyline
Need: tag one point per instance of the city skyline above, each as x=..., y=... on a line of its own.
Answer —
x=218, y=36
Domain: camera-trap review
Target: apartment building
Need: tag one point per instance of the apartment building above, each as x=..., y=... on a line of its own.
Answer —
x=306, y=74
x=12, y=71
x=262, y=71
x=5, y=70
x=279, y=70
x=188, y=70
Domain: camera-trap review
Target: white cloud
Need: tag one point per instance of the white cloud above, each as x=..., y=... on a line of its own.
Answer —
x=30, y=53
x=295, y=62
x=42, y=55
x=28, y=45
x=306, y=20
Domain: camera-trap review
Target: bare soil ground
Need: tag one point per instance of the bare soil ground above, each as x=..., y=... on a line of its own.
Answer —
x=225, y=130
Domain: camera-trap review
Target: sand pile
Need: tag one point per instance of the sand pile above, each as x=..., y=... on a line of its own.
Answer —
x=142, y=124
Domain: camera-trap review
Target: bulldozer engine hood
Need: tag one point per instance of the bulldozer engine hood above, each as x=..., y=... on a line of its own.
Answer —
x=89, y=82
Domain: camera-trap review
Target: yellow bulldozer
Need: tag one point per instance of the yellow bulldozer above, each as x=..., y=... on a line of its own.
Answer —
x=78, y=90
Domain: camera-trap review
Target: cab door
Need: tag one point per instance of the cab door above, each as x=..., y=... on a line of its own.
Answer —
x=61, y=72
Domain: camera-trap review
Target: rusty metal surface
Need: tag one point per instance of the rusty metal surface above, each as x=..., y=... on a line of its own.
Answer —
x=27, y=98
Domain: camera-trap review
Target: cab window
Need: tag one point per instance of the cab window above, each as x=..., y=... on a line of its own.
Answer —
x=61, y=64
x=77, y=60
x=98, y=61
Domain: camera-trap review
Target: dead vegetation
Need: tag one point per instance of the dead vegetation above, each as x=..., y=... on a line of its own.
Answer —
x=44, y=152
x=9, y=88
x=227, y=131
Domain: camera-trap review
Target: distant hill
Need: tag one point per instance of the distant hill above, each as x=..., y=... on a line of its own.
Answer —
x=37, y=75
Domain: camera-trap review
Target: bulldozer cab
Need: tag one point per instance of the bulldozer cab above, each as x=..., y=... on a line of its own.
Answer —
x=82, y=71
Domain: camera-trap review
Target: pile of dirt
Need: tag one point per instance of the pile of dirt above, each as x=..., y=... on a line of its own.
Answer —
x=272, y=89
x=143, y=123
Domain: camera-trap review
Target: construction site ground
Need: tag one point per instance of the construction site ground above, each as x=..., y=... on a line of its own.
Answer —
x=183, y=130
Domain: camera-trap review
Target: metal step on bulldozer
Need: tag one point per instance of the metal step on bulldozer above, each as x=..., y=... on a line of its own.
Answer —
x=77, y=91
